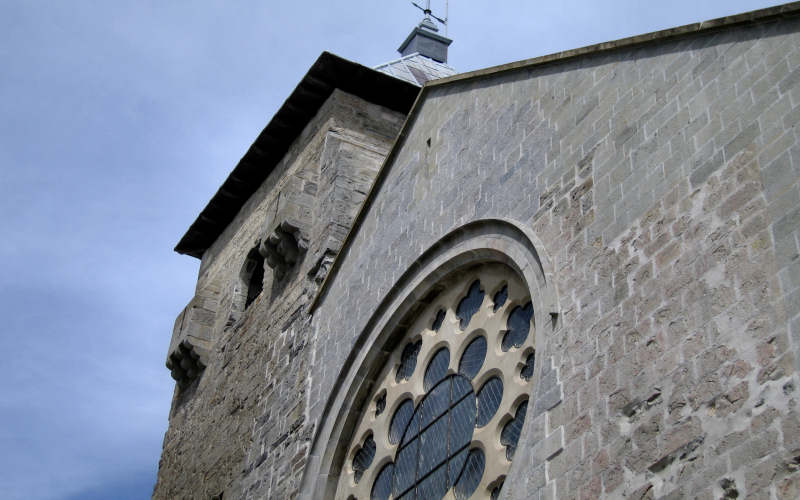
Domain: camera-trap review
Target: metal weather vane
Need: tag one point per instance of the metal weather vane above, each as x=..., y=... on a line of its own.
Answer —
x=429, y=13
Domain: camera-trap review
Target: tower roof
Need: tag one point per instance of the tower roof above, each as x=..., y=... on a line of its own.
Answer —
x=329, y=72
x=416, y=69
x=425, y=40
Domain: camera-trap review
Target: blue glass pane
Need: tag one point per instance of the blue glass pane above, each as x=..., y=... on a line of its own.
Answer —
x=412, y=429
x=363, y=458
x=518, y=326
x=435, y=485
x=470, y=304
x=382, y=487
x=438, y=320
x=408, y=361
x=435, y=403
x=437, y=368
x=510, y=435
x=456, y=465
x=434, y=447
x=410, y=495
x=462, y=423
x=405, y=468
x=400, y=421
x=473, y=357
x=527, y=370
x=430, y=463
x=489, y=398
x=461, y=387
x=500, y=298
x=471, y=476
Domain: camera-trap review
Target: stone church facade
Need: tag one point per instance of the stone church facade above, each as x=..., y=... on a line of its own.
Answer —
x=576, y=276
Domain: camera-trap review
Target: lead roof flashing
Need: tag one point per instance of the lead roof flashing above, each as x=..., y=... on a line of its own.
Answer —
x=329, y=72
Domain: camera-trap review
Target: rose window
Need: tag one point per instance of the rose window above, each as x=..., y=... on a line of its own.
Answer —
x=447, y=409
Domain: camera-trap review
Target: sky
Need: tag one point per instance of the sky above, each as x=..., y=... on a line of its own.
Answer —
x=118, y=122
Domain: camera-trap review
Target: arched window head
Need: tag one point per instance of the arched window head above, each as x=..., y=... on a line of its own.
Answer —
x=253, y=275
x=446, y=412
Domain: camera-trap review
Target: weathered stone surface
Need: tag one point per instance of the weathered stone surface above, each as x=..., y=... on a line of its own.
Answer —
x=668, y=277
x=241, y=428
x=660, y=182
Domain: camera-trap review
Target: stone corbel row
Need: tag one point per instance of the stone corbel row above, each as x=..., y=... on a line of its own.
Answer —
x=283, y=247
x=185, y=363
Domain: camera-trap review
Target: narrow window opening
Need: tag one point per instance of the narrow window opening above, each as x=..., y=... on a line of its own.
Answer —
x=254, y=271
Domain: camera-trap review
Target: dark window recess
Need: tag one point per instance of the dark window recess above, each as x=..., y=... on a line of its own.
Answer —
x=363, y=458
x=254, y=273
x=470, y=304
x=380, y=404
x=500, y=298
x=473, y=357
x=382, y=487
x=489, y=398
x=437, y=369
x=438, y=320
x=496, y=491
x=518, y=325
x=400, y=420
x=527, y=370
x=433, y=453
x=510, y=434
x=408, y=361
x=471, y=476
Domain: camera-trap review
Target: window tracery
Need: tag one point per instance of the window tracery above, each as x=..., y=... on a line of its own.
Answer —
x=447, y=411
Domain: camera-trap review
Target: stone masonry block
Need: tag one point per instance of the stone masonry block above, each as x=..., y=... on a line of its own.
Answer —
x=550, y=445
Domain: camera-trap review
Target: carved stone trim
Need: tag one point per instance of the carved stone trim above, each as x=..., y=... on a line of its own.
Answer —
x=488, y=240
x=185, y=363
x=283, y=247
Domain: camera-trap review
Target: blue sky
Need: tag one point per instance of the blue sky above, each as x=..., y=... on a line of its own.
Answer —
x=120, y=119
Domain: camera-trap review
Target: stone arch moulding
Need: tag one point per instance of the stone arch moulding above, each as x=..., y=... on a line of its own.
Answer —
x=482, y=241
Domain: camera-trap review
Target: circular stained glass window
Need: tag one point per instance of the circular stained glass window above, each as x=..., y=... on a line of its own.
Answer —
x=450, y=405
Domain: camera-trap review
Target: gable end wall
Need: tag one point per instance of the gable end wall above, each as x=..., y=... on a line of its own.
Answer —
x=662, y=182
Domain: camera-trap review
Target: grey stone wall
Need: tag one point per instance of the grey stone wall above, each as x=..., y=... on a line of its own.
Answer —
x=240, y=429
x=662, y=183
